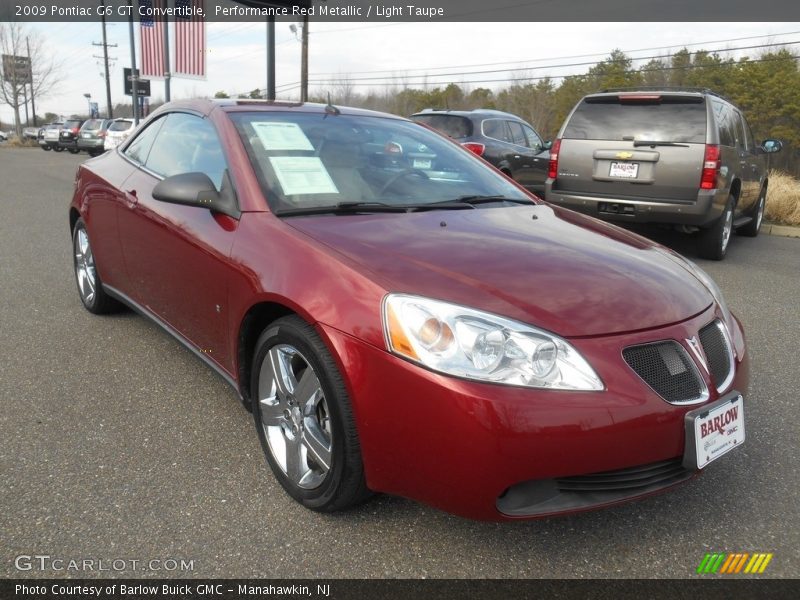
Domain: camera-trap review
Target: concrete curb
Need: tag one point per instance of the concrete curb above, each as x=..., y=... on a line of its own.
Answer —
x=781, y=230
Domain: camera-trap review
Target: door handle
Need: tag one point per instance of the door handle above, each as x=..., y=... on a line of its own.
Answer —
x=131, y=197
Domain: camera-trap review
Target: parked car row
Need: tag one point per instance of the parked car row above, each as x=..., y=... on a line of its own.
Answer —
x=93, y=136
x=681, y=157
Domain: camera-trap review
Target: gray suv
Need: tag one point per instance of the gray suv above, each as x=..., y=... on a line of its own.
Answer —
x=682, y=157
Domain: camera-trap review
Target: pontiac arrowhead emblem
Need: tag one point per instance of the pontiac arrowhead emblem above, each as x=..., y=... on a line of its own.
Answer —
x=624, y=155
x=694, y=346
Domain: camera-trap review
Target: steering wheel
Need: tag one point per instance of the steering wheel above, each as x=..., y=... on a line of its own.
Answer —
x=397, y=176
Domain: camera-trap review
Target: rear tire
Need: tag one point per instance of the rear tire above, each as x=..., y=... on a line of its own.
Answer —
x=46, y=148
x=753, y=227
x=90, y=287
x=57, y=149
x=714, y=242
x=73, y=150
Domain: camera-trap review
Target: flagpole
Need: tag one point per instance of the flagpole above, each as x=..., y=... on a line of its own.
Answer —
x=166, y=55
x=134, y=78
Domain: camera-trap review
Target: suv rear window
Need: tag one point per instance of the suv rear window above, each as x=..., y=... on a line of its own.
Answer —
x=93, y=124
x=120, y=125
x=72, y=124
x=452, y=125
x=668, y=119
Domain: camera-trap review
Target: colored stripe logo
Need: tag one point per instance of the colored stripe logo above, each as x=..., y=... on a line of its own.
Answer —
x=731, y=563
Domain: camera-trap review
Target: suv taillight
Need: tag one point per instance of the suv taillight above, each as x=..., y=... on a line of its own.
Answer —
x=475, y=147
x=552, y=170
x=711, y=167
x=74, y=131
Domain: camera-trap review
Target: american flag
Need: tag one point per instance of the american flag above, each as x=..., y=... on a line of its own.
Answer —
x=151, y=33
x=190, y=40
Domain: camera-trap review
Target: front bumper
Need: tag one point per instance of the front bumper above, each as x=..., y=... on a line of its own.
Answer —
x=703, y=212
x=461, y=445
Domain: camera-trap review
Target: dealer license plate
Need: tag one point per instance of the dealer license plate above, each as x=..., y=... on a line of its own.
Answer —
x=421, y=164
x=626, y=170
x=86, y=135
x=713, y=431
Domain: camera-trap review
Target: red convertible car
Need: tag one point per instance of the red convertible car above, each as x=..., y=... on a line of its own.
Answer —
x=402, y=318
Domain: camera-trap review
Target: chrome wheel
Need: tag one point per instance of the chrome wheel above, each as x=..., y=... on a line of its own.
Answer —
x=727, y=227
x=84, y=267
x=295, y=416
x=760, y=214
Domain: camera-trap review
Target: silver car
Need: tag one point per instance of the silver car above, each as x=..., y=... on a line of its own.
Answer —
x=684, y=157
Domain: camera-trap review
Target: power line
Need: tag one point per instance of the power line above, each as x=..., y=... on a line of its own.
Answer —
x=517, y=79
x=739, y=39
x=401, y=77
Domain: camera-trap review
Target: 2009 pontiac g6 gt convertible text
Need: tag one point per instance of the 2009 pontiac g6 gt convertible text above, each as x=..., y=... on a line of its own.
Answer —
x=402, y=318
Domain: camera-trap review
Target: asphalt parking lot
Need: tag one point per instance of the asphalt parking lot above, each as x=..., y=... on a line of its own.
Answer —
x=117, y=443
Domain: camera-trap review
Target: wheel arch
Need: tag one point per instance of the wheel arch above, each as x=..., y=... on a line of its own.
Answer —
x=255, y=320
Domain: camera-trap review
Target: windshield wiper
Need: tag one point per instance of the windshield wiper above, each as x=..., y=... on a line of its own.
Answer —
x=474, y=200
x=639, y=143
x=342, y=208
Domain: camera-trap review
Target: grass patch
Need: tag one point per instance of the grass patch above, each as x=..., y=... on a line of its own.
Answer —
x=16, y=142
x=783, y=199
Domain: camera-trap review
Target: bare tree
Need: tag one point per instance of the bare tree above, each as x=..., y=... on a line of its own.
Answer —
x=16, y=40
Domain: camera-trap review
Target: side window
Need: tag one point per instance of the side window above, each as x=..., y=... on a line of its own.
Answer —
x=517, y=134
x=723, y=117
x=496, y=129
x=534, y=141
x=748, y=134
x=187, y=144
x=140, y=147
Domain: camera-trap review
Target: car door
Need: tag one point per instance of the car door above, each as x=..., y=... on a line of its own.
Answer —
x=176, y=255
x=526, y=166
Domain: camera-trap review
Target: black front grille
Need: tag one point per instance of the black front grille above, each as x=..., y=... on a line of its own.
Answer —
x=667, y=369
x=656, y=474
x=717, y=352
x=551, y=496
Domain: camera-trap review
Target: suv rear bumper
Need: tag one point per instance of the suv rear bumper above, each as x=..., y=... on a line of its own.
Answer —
x=702, y=213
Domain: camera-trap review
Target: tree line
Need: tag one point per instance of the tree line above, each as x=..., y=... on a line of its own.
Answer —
x=766, y=87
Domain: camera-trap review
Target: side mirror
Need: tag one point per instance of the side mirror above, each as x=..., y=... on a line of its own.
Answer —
x=547, y=145
x=770, y=146
x=197, y=189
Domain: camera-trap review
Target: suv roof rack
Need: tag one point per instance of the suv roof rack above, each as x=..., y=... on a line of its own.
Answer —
x=664, y=88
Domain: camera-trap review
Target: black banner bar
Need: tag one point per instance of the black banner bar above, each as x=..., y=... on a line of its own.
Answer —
x=226, y=589
x=534, y=11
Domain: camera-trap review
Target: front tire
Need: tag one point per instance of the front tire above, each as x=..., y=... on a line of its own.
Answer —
x=714, y=241
x=46, y=148
x=304, y=420
x=73, y=150
x=57, y=149
x=90, y=288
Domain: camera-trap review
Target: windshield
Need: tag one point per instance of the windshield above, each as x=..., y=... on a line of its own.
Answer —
x=311, y=161
x=120, y=125
x=668, y=119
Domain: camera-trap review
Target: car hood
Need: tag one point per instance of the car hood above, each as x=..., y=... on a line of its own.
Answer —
x=549, y=267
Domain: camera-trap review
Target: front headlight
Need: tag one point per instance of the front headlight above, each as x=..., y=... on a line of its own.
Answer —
x=460, y=341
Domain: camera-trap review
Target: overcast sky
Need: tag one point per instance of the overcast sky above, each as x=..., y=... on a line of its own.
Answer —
x=417, y=51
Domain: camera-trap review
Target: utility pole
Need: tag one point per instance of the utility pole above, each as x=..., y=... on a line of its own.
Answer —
x=30, y=80
x=304, y=63
x=271, y=57
x=106, y=46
